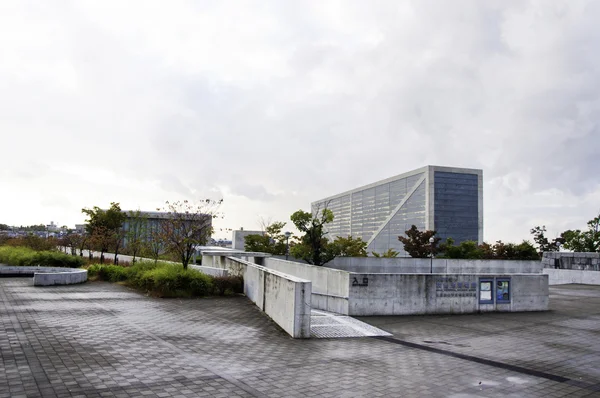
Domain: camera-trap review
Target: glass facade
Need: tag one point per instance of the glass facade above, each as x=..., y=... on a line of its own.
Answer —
x=456, y=211
x=380, y=212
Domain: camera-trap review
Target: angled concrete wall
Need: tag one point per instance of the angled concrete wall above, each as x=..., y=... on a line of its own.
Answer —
x=284, y=298
x=409, y=265
x=330, y=286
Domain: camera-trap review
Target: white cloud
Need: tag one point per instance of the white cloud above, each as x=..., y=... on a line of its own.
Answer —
x=273, y=105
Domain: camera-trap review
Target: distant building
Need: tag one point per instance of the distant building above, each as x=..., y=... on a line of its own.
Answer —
x=446, y=199
x=153, y=220
x=238, y=240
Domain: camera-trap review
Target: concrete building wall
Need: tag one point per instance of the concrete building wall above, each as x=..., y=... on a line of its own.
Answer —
x=238, y=242
x=408, y=265
x=406, y=294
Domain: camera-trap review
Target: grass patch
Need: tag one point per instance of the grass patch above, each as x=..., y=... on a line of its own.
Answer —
x=166, y=280
x=24, y=256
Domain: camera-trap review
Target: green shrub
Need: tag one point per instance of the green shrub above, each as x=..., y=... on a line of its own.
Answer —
x=23, y=256
x=167, y=280
x=227, y=284
x=171, y=280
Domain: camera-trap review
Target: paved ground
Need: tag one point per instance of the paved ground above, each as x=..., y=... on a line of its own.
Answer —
x=102, y=340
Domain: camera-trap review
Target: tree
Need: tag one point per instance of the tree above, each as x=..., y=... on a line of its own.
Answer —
x=154, y=244
x=186, y=226
x=105, y=227
x=416, y=243
x=544, y=245
x=313, y=247
x=137, y=232
x=350, y=247
x=270, y=241
x=467, y=249
x=390, y=253
x=583, y=241
x=498, y=251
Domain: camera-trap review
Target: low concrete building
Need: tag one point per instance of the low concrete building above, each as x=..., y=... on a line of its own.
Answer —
x=465, y=290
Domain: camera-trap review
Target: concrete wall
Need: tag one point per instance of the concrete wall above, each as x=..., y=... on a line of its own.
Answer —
x=284, y=298
x=48, y=276
x=574, y=261
x=330, y=286
x=565, y=276
x=212, y=271
x=408, y=265
x=411, y=294
x=237, y=240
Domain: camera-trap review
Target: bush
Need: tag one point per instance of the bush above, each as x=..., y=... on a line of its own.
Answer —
x=23, y=256
x=170, y=280
x=160, y=279
x=109, y=273
x=228, y=284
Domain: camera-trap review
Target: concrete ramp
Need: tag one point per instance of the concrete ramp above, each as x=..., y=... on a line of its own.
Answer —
x=328, y=325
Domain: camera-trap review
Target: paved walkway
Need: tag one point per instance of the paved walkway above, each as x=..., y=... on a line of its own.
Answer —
x=103, y=340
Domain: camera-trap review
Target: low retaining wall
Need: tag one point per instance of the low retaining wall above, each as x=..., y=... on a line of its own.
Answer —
x=566, y=276
x=572, y=261
x=47, y=276
x=408, y=265
x=284, y=298
x=212, y=271
x=330, y=287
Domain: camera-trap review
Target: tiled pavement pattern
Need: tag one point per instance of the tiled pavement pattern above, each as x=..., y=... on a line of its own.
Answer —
x=103, y=340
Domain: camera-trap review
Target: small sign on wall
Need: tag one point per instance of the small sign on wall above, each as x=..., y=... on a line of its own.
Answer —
x=365, y=282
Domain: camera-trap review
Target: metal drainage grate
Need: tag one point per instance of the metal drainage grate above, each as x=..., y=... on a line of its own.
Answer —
x=329, y=325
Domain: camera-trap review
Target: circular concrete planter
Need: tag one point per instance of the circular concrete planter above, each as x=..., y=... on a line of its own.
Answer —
x=47, y=276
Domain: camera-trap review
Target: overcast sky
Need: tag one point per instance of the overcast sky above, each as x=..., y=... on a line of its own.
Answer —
x=274, y=104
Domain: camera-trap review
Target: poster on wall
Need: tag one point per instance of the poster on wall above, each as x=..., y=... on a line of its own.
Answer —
x=502, y=291
x=485, y=291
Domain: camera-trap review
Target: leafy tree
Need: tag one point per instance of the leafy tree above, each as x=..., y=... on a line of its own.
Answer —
x=545, y=245
x=313, y=247
x=583, y=241
x=186, y=226
x=350, y=247
x=467, y=249
x=154, y=245
x=499, y=250
x=4, y=227
x=137, y=232
x=272, y=240
x=416, y=243
x=105, y=227
x=390, y=253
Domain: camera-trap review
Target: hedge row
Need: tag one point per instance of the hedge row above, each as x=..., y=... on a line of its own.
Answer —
x=167, y=280
x=23, y=256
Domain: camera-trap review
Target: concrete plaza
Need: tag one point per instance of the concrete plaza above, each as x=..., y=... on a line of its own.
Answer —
x=104, y=340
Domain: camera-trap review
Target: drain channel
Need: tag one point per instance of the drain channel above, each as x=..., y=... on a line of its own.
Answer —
x=488, y=362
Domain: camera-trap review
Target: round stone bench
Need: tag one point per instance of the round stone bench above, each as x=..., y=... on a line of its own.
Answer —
x=47, y=276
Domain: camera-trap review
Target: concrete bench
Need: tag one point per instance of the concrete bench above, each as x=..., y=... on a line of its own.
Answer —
x=47, y=276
